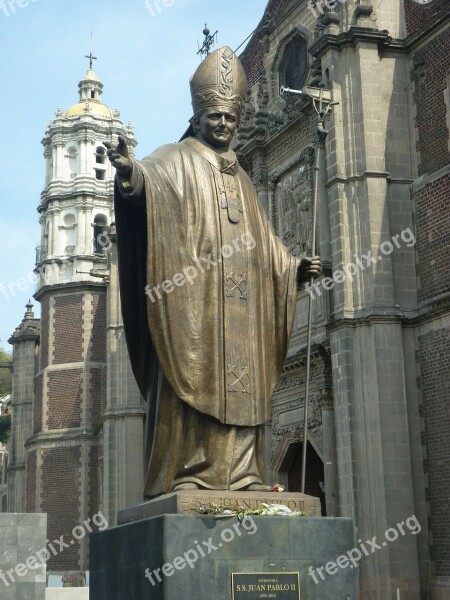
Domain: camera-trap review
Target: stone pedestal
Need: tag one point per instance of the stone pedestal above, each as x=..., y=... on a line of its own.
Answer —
x=22, y=573
x=187, y=557
x=67, y=593
x=185, y=502
x=440, y=588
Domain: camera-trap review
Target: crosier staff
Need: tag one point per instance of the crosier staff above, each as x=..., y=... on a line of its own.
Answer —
x=322, y=105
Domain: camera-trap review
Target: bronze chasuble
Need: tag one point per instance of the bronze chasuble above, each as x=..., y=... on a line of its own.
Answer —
x=217, y=343
x=208, y=299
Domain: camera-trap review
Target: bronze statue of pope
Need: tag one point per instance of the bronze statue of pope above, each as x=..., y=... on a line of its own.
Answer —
x=208, y=295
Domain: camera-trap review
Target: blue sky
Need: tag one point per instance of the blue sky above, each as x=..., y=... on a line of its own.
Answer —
x=145, y=59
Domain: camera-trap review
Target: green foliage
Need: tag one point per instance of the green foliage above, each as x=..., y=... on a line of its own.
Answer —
x=97, y=427
x=5, y=428
x=227, y=510
x=5, y=374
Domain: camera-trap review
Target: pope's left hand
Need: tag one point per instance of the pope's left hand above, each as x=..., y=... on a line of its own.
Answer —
x=309, y=267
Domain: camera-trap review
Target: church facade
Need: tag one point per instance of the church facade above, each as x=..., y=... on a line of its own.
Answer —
x=378, y=409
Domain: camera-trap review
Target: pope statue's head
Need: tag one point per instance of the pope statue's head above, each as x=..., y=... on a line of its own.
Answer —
x=218, y=89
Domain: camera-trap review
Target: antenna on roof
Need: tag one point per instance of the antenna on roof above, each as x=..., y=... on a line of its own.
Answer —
x=208, y=42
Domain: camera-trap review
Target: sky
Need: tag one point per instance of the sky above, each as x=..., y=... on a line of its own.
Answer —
x=146, y=51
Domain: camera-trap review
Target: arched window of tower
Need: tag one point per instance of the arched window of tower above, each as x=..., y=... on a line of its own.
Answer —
x=100, y=155
x=100, y=158
x=72, y=155
x=69, y=234
x=100, y=224
x=44, y=250
x=46, y=237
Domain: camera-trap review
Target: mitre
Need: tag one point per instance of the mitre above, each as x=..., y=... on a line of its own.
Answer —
x=219, y=82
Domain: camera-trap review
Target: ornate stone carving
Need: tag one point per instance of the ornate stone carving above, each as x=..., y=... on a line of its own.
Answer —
x=262, y=97
x=262, y=112
x=291, y=202
x=288, y=142
x=316, y=76
x=259, y=171
x=294, y=197
x=247, y=120
x=287, y=417
x=255, y=116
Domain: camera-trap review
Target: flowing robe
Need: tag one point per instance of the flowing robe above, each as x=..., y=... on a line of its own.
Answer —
x=208, y=299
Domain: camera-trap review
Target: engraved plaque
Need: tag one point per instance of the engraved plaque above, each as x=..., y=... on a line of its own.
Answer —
x=253, y=586
x=186, y=502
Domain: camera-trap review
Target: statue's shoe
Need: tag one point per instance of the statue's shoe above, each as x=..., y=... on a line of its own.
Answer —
x=258, y=487
x=185, y=486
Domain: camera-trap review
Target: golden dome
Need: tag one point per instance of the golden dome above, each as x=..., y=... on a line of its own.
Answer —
x=90, y=91
x=90, y=107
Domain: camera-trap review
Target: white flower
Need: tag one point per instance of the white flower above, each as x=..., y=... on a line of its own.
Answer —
x=280, y=509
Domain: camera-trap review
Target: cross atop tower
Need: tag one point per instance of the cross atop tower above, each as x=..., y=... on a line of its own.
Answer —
x=91, y=57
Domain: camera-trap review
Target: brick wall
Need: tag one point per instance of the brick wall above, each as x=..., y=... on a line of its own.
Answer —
x=104, y=384
x=97, y=344
x=64, y=398
x=417, y=17
x=68, y=332
x=253, y=60
x=430, y=71
x=96, y=394
x=433, y=238
x=61, y=482
x=252, y=57
x=432, y=217
x=37, y=404
x=30, y=502
x=435, y=386
x=44, y=332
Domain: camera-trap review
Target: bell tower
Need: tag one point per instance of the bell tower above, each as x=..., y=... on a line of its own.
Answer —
x=64, y=455
x=76, y=204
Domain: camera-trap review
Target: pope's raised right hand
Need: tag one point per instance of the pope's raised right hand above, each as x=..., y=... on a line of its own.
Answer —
x=120, y=157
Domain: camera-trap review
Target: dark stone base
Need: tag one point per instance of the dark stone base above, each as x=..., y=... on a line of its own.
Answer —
x=440, y=588
x=170, y=548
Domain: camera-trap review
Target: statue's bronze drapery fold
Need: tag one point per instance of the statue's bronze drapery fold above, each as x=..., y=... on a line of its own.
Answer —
x=208, y=297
